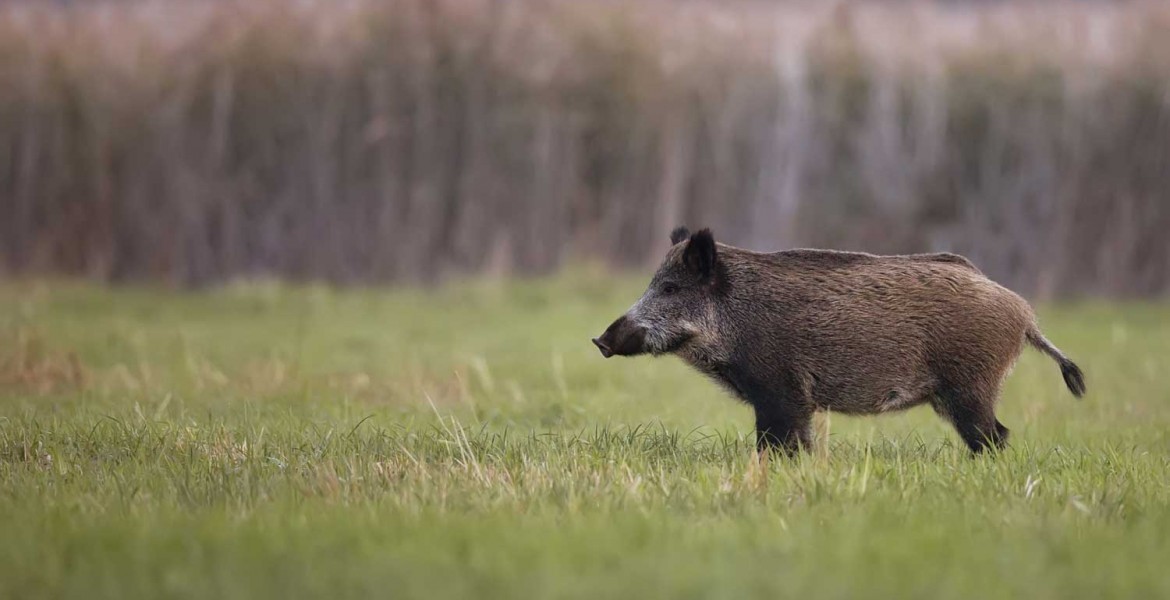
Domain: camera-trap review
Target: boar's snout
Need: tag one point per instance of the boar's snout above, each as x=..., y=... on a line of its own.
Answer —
x=622, y=338
x=605, y=351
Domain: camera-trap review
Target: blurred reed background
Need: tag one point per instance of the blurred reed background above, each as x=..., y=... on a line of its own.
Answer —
x=363, y=141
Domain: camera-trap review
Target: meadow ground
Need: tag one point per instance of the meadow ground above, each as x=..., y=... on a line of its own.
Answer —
x=265, y=441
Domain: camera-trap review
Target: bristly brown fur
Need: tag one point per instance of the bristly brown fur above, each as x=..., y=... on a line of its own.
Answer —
x=803, y=330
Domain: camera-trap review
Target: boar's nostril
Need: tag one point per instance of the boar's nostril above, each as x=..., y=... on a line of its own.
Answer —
x=605, y=351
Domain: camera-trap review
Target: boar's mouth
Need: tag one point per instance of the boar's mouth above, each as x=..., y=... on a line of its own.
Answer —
x=623, y=338
x=676, y=344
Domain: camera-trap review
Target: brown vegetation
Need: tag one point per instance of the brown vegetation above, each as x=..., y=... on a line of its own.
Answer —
x=405, y=140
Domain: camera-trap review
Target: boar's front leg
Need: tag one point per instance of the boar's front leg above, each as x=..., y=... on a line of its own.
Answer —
x=783, y=426
x=783, y=405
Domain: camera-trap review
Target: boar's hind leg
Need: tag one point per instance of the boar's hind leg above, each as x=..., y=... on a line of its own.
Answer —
x=973, y=415
x=787, y=428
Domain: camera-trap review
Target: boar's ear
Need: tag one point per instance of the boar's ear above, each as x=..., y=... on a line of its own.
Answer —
x=679, y=234
x=699, y=255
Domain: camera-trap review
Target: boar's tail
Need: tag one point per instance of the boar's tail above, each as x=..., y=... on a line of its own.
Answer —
x=1073, y=377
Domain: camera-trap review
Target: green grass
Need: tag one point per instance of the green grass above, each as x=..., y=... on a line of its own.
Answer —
x=263, y=441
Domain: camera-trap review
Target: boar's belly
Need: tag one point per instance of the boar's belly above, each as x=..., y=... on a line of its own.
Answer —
x=863, y=397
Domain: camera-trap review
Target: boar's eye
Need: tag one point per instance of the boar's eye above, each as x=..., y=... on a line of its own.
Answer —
x=669, y=288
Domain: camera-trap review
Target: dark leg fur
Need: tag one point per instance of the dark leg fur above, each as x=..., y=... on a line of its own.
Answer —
x=981, y=436
x=783, y=417
x=974, y=419
x=783, y=430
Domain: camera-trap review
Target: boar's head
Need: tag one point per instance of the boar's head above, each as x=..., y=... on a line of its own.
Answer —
x=676, y=307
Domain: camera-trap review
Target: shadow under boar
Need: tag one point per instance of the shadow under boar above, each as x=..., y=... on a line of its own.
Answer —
x=798, y=331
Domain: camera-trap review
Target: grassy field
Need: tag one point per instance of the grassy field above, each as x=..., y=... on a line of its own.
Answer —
x=263, y=441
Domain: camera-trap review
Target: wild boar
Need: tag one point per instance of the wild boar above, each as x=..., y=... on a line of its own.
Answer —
x=798, y=331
